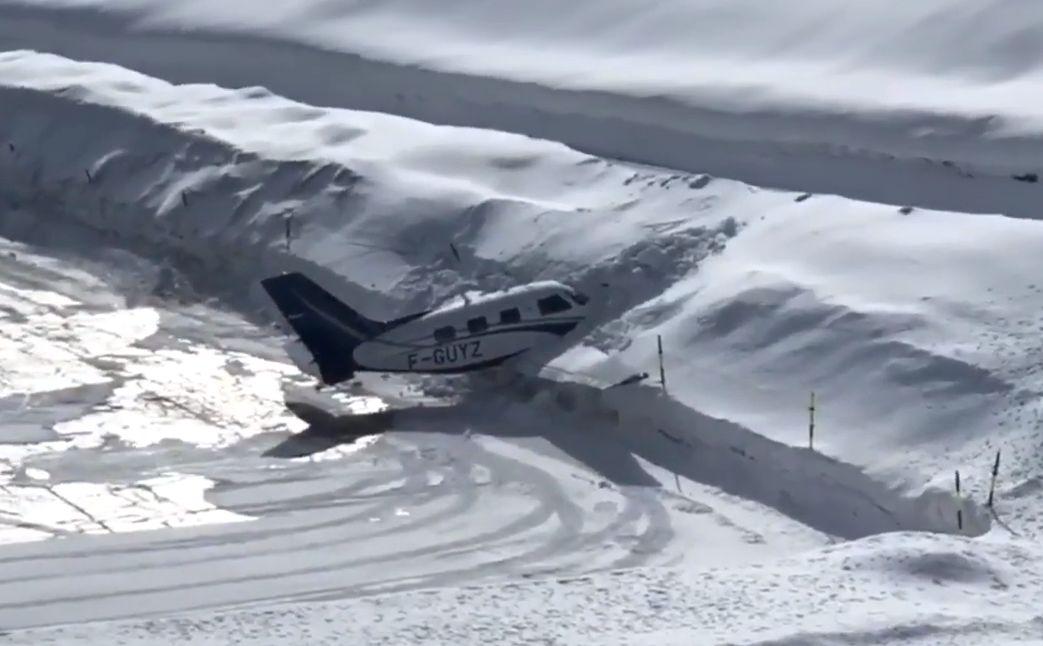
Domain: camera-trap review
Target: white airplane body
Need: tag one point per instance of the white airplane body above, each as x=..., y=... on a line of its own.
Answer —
x=462, y=335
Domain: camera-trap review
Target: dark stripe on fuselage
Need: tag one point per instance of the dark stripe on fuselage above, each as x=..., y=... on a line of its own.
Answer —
x=490, y=363
x=559, y=328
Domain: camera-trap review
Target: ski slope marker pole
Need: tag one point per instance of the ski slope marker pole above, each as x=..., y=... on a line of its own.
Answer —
x=662, y=371
x=959, y=498
x=995, y=473
x=811, y=422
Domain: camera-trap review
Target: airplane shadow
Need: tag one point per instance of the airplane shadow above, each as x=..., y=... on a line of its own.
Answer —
x=602, y=454
x=326, y=431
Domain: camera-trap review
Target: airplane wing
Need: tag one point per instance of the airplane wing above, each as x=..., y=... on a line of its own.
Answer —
x=372, y=393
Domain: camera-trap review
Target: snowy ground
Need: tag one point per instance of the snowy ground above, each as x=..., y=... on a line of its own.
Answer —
x=893, y=589
x=143, y=387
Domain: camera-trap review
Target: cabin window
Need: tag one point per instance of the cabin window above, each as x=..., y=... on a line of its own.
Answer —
x=553, y=305
x=478, y=324
x=512, y=315
x=445, y=334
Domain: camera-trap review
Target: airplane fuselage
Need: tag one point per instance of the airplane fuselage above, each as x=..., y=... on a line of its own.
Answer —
x=478, y=332
x=468, y=333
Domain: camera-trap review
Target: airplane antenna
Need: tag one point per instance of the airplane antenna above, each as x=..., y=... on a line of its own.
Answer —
x=456, y=254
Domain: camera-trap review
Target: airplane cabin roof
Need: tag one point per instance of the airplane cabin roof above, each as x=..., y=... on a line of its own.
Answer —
x=534, y=290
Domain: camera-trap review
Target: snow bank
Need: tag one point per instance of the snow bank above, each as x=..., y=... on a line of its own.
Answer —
x=833, y=497
x=374, y=198
x=933, y=104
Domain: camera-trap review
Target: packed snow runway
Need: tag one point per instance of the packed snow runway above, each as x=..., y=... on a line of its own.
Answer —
x=909, y=589
x=156, y=444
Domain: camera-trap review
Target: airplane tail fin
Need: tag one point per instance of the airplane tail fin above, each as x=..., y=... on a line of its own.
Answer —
x=329, y=329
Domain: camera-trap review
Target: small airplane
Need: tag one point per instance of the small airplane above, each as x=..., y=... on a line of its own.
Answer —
x=461, y=335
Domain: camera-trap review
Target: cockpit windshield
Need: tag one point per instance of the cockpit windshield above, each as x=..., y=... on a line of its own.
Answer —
x=579, y=297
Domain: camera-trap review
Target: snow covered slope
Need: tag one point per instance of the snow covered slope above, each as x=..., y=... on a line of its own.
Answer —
x=933, y=104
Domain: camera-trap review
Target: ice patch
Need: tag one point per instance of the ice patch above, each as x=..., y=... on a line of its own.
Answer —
x=37, y=512
x=37, y=474
x=51, y=352
x=340, y=451
x=188, y=396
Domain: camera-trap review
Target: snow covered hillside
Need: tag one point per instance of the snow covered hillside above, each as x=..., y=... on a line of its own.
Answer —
x=818, y=286
x=897, y=104
x=842, y=201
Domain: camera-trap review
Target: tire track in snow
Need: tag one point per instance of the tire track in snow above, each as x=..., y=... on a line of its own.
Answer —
x=568, y=541
x=51, y=553
x=464, y=462
x=259, y=532
x=554, y=503
x=323, y=567
x=656, y=536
